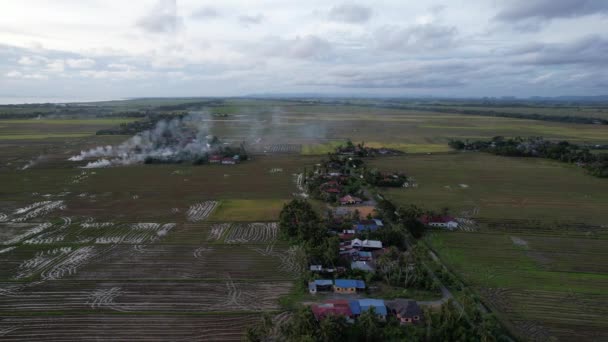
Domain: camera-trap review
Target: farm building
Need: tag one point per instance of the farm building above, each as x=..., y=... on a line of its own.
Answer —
x=444, y=221
x=320, y=285
x=368, y=225
x=377, y=304
x=362, y=266
x=366, y=244
x=348, y=199
x=348, y=285
x=406, y=311
x=215, y=159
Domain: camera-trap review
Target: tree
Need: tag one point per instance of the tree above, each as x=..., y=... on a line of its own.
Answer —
x=369, y=327
x=333, y=328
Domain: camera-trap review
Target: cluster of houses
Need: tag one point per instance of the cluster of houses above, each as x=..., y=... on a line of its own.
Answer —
x=406, y=311
x=219, y=159
x=336, y=286
x=361, y=253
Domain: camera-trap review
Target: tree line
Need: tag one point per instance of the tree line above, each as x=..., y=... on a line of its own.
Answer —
x=596, y=164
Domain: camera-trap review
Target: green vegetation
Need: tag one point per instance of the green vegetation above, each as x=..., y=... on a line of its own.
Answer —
x=595, y=163
x=248, y=210
x=497, y=188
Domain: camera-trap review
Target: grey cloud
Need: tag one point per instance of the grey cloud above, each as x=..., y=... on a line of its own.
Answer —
x=205, y=13
x=411, y=75
x=550, y=9
x=350, y=13
x=162, y=18
x=427, y=36
x=251, y=19
x=590, y=50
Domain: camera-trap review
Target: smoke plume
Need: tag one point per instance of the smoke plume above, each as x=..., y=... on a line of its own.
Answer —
x=177, y=140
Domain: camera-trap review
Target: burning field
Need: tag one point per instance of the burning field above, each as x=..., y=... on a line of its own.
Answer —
x=184, y=139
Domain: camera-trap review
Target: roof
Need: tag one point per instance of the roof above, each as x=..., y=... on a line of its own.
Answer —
x=349, y=198
x=355, y=308
x=404, y=307
x=377, y=304
x=426, y=219
x=350, y=283
x=364, y=210
x=215, y=157
x=361, y=265
x=323, y=282
x=366, y=243
x=333, y=190
x=326, y=309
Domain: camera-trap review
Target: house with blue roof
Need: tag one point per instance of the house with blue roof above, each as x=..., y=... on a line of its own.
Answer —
x=377, y=304
x=371, y=225
x=348, y=285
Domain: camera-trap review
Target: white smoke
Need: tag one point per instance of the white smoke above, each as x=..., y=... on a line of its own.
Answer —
x=180, y=139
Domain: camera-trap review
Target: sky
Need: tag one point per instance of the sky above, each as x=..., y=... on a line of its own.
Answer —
x=104, y=49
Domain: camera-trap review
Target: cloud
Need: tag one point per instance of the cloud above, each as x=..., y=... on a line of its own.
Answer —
x=205, y=13
x=251, y=19
x=56, y=66
x=590, y=50
x=80, y=63
x=350, y=13
x=31, y=76
x=421, y=37
x=300, y=47
x=162, y=18
x=32, y=60
x=550, y=9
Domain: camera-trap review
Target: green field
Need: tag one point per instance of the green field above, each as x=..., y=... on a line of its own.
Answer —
x=248, y=210
x=543, y=286
x=501, y=187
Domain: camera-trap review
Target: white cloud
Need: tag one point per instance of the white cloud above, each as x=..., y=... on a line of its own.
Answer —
x=56, y=66
x=82, y=63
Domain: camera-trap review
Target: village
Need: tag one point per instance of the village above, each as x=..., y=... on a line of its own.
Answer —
x=371, y=249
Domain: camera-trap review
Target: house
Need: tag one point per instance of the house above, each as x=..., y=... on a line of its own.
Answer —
x=377, y=304
x=364, y=211
x=362, y=266
x=362, y=256
x=444, y=221
x=368, y=225
x=320, y=285
x=366, y=244
x=348, y=285
x=406, y=311
x=347, y=234
x=348, y=199
x=215, y=159
x=332, y=307
x=228, y=161
x=332, y=191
